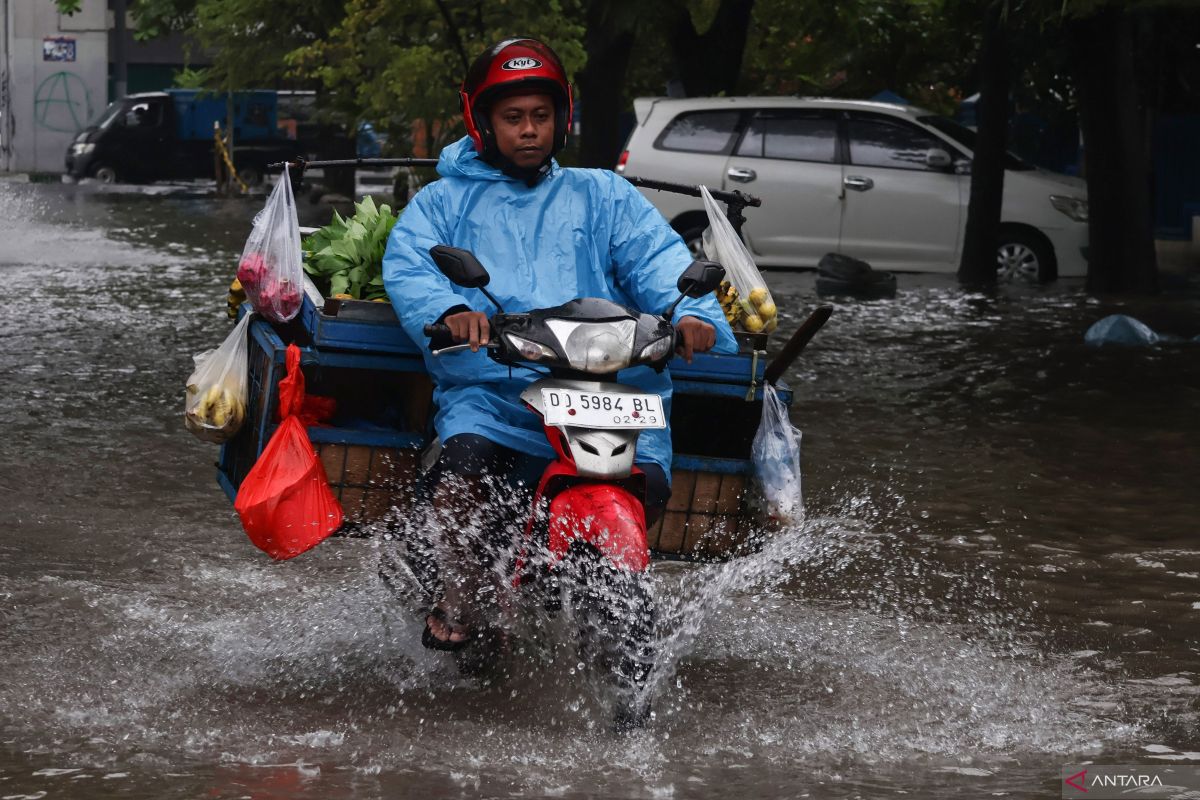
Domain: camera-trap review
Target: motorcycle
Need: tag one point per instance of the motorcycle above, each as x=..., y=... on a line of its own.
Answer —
x=584, y=546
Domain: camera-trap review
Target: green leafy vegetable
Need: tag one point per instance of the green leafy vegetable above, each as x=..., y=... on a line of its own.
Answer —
x=346, y=256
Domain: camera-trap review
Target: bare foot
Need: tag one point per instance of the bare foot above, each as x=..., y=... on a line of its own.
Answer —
x=444, y=629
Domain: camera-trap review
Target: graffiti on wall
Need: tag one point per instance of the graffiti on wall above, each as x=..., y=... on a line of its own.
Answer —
x=62, y=103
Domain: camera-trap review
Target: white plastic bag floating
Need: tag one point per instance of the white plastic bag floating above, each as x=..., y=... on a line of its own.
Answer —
x=218, y=390
x=1120, y=329
x=750, y=305
x=271, y=270
x=776, y=457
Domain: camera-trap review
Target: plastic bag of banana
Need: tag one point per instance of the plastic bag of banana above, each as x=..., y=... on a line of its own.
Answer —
x=744, y=296
x=215, y=400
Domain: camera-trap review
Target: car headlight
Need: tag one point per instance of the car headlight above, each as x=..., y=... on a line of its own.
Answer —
x=531, y=351
x=656, y=349
x=1074, y=207
x=82, y=148
x=596, y=347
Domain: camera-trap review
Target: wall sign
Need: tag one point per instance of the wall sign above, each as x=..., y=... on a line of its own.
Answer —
x=58, y=48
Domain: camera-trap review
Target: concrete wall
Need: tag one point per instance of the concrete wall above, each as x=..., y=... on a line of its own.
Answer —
x=44, y=102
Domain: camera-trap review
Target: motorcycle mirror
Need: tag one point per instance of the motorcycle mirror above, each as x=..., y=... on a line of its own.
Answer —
x=463, y=269
x=460, y=266
x=700, y=278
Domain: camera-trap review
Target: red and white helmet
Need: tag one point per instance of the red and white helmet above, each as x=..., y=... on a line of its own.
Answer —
x=514, y=65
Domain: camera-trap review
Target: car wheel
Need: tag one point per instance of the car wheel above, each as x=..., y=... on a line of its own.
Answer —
x=1023, y=257
x=105, y=173
x=251, y=175
x=693, y=237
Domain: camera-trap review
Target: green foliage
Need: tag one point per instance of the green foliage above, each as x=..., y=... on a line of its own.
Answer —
x=188, y=78
x=346, y=256
x=857, y=48
x=399, y=64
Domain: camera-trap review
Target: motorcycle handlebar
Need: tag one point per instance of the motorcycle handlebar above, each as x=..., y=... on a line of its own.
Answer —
x=437, y=329
x=441, y=331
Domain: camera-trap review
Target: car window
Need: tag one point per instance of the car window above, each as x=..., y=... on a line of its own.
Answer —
x=700, y=132
x=878, y=142
x=794, y=136
x=143, y=115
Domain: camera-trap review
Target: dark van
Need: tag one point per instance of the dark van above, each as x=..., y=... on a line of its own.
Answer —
x=169, y=135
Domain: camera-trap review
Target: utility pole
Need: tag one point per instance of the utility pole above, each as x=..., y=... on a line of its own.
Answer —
x=120, y=71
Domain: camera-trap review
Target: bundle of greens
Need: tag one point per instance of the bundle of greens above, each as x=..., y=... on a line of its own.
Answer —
x=345, y=258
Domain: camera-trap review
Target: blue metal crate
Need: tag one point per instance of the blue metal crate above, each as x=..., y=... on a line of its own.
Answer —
x=266, y=368
x=715, y=410
x=355, y=325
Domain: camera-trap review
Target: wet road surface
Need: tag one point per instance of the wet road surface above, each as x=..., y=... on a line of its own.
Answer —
x=999, y=573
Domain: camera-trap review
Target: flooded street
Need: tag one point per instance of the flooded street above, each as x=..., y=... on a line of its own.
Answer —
x=999, y=573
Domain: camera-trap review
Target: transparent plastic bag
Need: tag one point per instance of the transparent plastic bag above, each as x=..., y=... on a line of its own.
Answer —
x=749, y=304
x=271, y=271
x=217, y=390
x=776, y=457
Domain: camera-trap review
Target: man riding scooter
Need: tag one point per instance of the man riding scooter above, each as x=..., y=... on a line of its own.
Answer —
x=547, y=235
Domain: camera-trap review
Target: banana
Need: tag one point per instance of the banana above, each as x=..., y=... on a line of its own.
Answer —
x=221, y=410
x=201, y=411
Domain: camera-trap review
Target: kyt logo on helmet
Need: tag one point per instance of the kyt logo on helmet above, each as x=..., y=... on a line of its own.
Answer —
x=521, y=63
x=514, y=66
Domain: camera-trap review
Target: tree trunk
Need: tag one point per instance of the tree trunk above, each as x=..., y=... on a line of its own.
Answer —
x=601, y=86
x=711, y=63
x=978, y=264
x=1121, y=255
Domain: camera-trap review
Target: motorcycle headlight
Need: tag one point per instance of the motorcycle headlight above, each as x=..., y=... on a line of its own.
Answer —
x=596, y=347
x=1074, y=207
x=656, y=349
x=531, y=351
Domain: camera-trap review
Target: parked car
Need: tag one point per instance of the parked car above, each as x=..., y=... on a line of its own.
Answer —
x=885, y=183
x=164, y=135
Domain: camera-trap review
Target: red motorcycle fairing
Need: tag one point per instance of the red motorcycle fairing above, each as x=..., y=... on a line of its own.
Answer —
x=604, y=515
x=611, y=516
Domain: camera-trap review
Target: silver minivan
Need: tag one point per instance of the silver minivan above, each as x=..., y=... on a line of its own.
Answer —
x=885, y=183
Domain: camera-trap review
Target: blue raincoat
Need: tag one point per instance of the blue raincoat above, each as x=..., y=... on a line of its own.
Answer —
x=577, y=233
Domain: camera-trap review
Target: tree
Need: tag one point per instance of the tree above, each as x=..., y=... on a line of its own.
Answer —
x=612, y=28
x=857, y=48
x=400, y=65
x=709, y=63
x=977, y=266
x=1121, y=255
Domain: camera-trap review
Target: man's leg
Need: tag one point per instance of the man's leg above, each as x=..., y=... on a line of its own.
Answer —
x=461, y=501
x=658, y=491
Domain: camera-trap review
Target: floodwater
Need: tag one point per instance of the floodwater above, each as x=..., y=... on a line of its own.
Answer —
x=999, y=573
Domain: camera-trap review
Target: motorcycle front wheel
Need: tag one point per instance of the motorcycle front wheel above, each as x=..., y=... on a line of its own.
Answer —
x=613, y=608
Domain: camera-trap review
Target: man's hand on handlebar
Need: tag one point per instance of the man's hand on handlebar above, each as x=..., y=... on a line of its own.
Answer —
x=469, y=326
x=694, y=335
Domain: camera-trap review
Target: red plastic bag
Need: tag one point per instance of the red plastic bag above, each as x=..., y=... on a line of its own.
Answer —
x=285, y=502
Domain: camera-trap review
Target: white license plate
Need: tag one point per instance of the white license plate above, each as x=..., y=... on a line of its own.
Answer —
x=602, y=409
